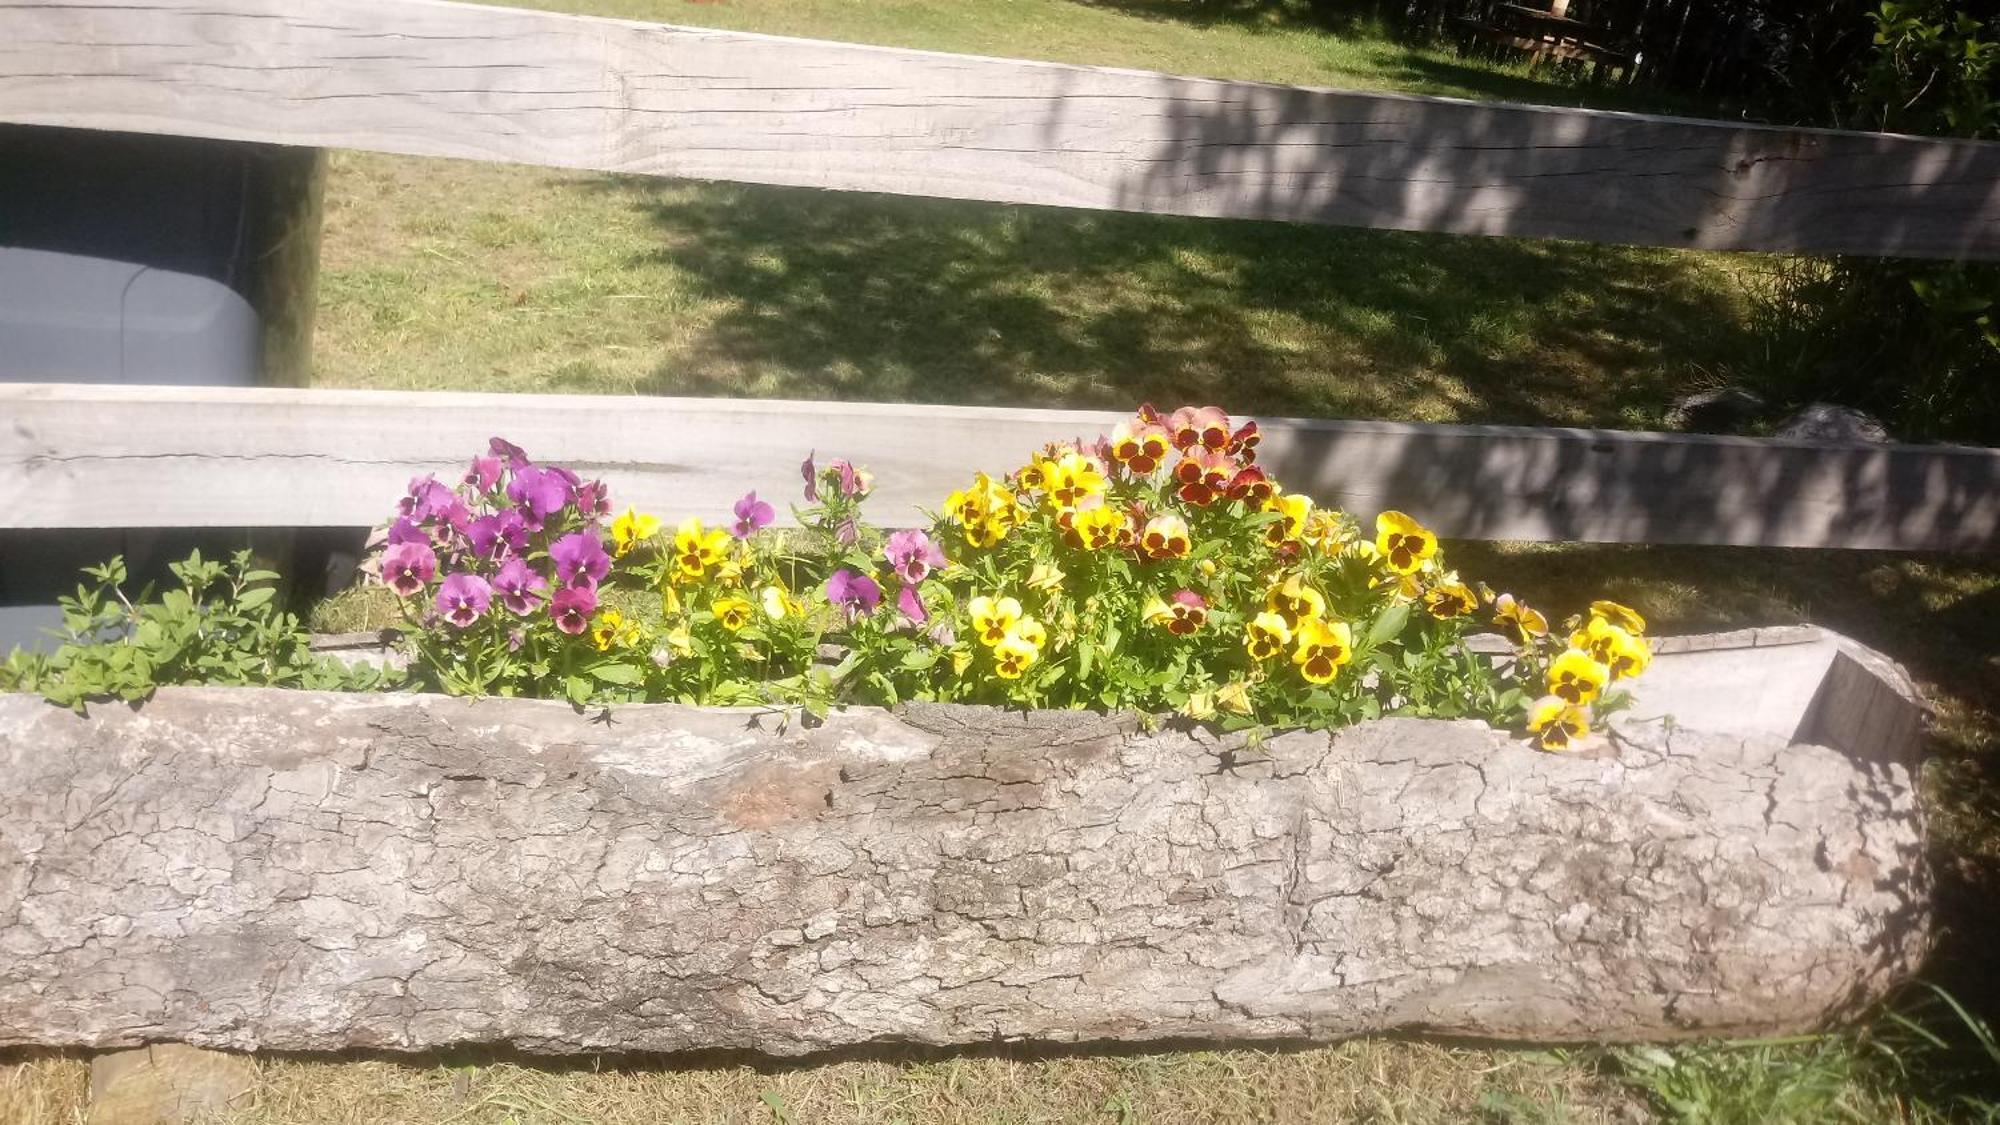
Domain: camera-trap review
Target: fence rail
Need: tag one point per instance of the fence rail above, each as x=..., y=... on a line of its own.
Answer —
x=456, y=80
x=96, y=456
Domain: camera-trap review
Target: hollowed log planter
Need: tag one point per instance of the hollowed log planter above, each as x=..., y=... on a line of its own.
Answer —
x=255, y=868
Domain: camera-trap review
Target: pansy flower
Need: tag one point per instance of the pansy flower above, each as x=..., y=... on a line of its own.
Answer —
x=1266, y=636
x=632, y=529
x=501, y=447
x=1250, y=485
x=1097, y=528
x=992, y=617
x=1204, y=426
x=1557, y=722
x=1013, y=656
x=463, y=598
x=911, y=605
x=1403, y=543
x=484, y=474
x=1622, y=654
x=1140, y=446
x=1622, y=616
x=1073, y=479
x=1577, y=678
x=1324, y=646
x=540, y=492
x=408, y=567
x=1517, y=621
x=1182, y=615
x=696, y=549
x=1293, y=510
x=489, y=531
x=521, y=590
x=1165, y=537
x=404, y=531
x=572, y=607
x=1294, y=601
x=732, y=612
x=1450, y=598
x=913, y=555
x=752, y=514
x=856, y=594
x=812, y=479
x=579, y=559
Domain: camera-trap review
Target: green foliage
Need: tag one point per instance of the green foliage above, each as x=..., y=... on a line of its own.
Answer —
x=220, y=625
x=1916, y=343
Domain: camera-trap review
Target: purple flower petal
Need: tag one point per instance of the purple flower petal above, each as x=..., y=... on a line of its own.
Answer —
x=812, y=480
x=463, y=598
x=912, y=605
x=408, y=567
x=751, y=514
x=580, y=559
x=572, y=609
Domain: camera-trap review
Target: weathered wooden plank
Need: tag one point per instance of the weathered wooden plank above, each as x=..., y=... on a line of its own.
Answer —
x=442, y=79
x=106, y=456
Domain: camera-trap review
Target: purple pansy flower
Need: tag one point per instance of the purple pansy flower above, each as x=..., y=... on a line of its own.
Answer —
x=430, y=499
x=484, y=474
x=408, y=567
x=847, y=533
x=462, y=598
x=593, y=499
x=912, y=605
x=501, y=447
x=855, y=593
x=540, y=492
x=853, y=482
x=580, y=559
x=913, y=556
x=751, y=514
x=572, y=609
x=487, y=532
x=812, y=479
x=403, y=531
x=521, y=590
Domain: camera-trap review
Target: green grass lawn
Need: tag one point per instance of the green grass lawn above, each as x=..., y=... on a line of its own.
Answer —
x=442, y=274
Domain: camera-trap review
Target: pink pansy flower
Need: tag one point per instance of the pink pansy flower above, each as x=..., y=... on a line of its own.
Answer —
x=593, y=499
x=408, y=567
x=463, y=598
x=403, y=531
x=912, y=605
x=572, y=609
x=751, y=514
x=501, y=447
x=912, y=555
x=484, y=474
x=521, y=590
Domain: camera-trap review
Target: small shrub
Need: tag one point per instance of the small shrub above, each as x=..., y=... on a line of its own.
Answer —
x=221, y=625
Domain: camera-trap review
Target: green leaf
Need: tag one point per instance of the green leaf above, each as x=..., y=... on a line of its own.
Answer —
x=612, y=672
x=256, y=598
x=1390, y=625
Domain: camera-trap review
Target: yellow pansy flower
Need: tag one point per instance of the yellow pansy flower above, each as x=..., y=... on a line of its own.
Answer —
x=1294, y=508
x=1234, y=697
x=1324, y=646
x=1266, y=636
x=1623, y=654
x=1046, y=577
x=992, y=617
x=1073, y=479
x=1295, y=601
x=680, y=640
x=1624, y=617
x=1520, y=623
x=1326, y=532
x=1029, y=631
x=612, y=629
x=1403, y=544
x=1200, y=706
x=1577, y=678
x=1450, y=598
x=1557, y=722
x=778, y=604
x=1098, y=528
x=632, y=529
x=696, y=549
x=1013, y=656
x=733, y=612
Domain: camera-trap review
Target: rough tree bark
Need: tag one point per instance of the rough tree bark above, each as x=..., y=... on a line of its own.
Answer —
x=267, y=869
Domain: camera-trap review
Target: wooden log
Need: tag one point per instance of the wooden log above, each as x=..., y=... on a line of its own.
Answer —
x=442, y=79
x=77, y=456
x=249, y=868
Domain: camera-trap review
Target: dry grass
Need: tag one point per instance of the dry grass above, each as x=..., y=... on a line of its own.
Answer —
x=1366, y=1080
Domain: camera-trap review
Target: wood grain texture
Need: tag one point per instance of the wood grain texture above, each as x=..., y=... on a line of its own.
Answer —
x=263, y=869
x=106, y=456
x=442, y=79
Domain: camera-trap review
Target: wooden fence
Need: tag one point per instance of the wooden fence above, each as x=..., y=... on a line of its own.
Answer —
x=443, y=79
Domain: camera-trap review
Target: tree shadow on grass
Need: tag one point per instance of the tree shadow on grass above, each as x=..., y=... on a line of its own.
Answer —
x=871, y=297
